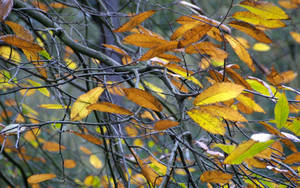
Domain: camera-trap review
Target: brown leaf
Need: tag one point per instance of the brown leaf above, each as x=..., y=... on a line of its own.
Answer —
x=143, y=99
x=135, y=20
x=162, y=48
x=249, y=29
x=293, y=158
x=20, y=31
x=5, y=7
x=164, y=124
x=21, y=43
x=144, y=40
x=194, y=34
x=207, y=48
x=109, y=107
x=277, y=78
x=215, y=176
x=241, y=51
x=37, y=178
x=87, y=137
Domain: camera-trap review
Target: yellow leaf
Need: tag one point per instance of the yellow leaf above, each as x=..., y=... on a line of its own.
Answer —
x=194, y=34
x=182, y=29
x=109, y=107
x=207, y=48
x=264, y=9
x=79, y=109
x=52, y=106
x=44, y=90
x=250, y=103
x=153, y=87
x=207, y=121
x=138, y=142
x=37, y=178
x=261, y=47
x=95, y=161
x=243, y=41
x=9, y=53
x=215, y=176
x=70, y=63
x=160, y=49
x=257, y=20
x=87, y=137
x=32, y=134
x=296, y=36
x=184, y=73
x=224, y=112
x=250, y=30
x=143, y=99
x=20, y=31
x=241, y=51
x=218, y=92
x=164, y=124
x=144, y=40
x=135, y=20
x=69, y=163
x=91, y=181
x=53, y=146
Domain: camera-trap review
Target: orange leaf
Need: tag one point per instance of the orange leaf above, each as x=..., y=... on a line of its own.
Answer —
x=69, y=163
x=293, y=158
x=251, y=30
x=288, y=4
x=144, y=40
x=276, y=78
x=194, y=34
x=241, y=51
x=21, y=43
x=264, y=9
x=20, y=31
x=296, y=36
x=115, y=48
x=215, y=176
x=135, y=20
x=207, y=48
x=165, y=124
x=257, y=20
x=53, y=146
x=88, y=137
x=109, y=107
x=162, y=48
x=143, y=99
x=37, y=178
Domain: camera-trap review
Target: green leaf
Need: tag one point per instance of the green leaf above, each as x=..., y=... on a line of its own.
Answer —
x=281, y=111
x=45, y=54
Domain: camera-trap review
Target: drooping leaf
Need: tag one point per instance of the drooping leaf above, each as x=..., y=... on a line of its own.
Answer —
x=5, y=7
x=109, y=107
x=88, y=137
x=252, y=31
x=295, y=126
x=215, y=176
x=264, y=9
x=143, y=99
x=207, y=121
x=160, y=49
x=135, y=20
x=250, y=103
x=52, y=146
x=207, y=48
x=246, y=150
x=194, y=34
x=218, y=92
x=37, y=178
x=224, y=112
x=240, y=51
x=9, y=53
x=257, y=20
x=95, y=161
x=79, y=109
x=281, y=111
x=277, y=78
x=164, y=124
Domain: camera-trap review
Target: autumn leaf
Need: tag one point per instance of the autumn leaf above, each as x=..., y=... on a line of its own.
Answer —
x=194, y=34
x=264, y=9
x=293, y=158
x=250, y=103
x=247, y=150
x=9, y=53
x=53, y=146
x=143, y=99
x=43, y=90
x=252, y=31
x=95, y=161
x=20, y=31
x=79, y=109
x=37, y=178
x=21, y=43
x=207, y=48
x=207, y=121
x=5, y=7
x=52, y=106
x=240, y=51
x=109, y=107
x=261, y=47
x=69, y=163
x=277, y=78
x=218, y=92
x=164, y=124
x=215, y=176
x=281, y=111
x=160, y=49
x=224, y=112
x=135, y=20
x=88, y=137
x=296, y=36
x=144, y=40
x=257, y=20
